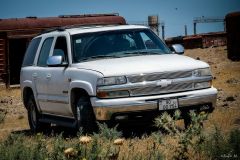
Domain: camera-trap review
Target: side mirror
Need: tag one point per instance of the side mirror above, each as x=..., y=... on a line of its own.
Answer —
x=55, y=61
x=177, y=48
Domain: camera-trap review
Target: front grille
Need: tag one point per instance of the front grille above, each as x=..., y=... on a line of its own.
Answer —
x=161, y=90
x=153, y=90
x=158, y=76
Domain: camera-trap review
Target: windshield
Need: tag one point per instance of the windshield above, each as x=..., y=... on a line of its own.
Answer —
x=116, y=44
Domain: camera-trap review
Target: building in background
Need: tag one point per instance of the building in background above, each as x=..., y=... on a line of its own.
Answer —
x=15, y=34
x=205, y=40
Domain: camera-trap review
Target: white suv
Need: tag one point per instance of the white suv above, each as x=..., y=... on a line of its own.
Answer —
x=75, y=76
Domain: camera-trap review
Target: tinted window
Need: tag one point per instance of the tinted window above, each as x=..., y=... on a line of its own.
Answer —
x=31, y=52
x=44, y=53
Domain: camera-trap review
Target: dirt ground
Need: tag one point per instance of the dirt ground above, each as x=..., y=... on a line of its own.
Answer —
x=226, y=75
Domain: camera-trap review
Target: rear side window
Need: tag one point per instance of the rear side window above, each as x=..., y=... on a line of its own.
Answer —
x=44, y=53
x=31, y=52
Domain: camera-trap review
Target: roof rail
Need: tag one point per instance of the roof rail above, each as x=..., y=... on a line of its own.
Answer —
x=63, y=28
x=60, y=29
x=88, y=15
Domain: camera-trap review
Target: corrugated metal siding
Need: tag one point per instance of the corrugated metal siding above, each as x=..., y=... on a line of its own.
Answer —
x=193, y=42
x=214, y=41
x=49, y=22
x=27, y=28
x=2, y=58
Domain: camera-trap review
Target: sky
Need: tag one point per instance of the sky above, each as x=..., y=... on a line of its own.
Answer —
x=174, y=13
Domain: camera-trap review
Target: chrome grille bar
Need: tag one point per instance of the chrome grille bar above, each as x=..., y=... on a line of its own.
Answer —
x=161, y=90
x=158, y=76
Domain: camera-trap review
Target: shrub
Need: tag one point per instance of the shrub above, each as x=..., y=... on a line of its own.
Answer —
x=18, y=147
x=170, y=143
x=219, y=146
x=2, y=115
x=108, y=133
x=186, y=141
x=234, y=141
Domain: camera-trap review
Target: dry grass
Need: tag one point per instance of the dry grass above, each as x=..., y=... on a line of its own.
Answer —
x=16, y=117
x=226, y=115
x=225, y=119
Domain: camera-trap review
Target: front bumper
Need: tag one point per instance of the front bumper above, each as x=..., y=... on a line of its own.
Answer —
x=104, y=109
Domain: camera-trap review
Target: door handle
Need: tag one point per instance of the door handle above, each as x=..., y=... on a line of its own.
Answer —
x=34, y=75
x=48, y=76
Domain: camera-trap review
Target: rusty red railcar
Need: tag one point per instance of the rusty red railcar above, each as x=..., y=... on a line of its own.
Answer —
x=15, y=34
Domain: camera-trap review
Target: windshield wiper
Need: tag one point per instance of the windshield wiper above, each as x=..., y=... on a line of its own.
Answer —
x=99, y=57
x=134, y=53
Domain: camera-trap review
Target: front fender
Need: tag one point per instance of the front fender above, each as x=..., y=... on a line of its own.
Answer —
x=83, y=85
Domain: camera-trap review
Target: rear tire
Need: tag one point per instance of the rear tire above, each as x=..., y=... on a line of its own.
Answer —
x=86, y=120
x=33, y=117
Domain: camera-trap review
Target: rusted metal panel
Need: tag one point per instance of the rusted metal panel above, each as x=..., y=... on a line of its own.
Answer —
x=213, y=41
x=2, y=57
x=42, y=23
x=200, y=41
x=27, y=28
x=233, y=35
x=22, y=34
x=174, y=40
x=191, y=42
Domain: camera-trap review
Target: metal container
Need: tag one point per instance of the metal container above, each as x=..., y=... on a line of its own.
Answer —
x=232, y=21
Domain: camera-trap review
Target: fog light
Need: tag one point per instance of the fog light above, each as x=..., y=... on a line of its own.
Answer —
x=112, y=94
x=202, y=85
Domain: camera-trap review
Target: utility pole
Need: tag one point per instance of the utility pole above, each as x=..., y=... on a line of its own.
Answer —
x=194, y=28
x=163, y=31
x=185, y=29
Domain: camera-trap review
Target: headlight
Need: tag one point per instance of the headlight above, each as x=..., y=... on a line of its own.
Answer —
x=202, y=72
x=106, y=81
x=200, y=85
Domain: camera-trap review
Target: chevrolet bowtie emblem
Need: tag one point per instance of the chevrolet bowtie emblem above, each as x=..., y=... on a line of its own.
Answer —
x=164, y=82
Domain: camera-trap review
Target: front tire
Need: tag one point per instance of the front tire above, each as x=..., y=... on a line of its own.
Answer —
x=85, y=116
x=33, y=117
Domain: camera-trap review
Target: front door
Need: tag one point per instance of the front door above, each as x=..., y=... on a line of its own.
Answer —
x=58, y=82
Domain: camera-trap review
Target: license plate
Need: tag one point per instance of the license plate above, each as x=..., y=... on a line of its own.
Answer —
x=167, y=104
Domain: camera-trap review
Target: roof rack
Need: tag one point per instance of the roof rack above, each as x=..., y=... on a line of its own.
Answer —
x=63, y=28
x=60, y=29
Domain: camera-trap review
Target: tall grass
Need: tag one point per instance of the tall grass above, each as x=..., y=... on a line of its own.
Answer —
x=2, y=115
x=169, y=142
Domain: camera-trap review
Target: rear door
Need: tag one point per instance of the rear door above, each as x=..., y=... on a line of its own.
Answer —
x=41, y=74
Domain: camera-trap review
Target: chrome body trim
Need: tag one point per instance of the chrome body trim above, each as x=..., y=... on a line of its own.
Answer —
x=162, y=82
x=159, y=75
x=54, y=101
x=105, y=108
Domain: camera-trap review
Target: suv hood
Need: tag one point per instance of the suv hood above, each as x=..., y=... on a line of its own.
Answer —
x=142, y=64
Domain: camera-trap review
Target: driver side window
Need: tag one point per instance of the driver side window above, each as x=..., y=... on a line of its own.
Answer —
x=44, y=53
